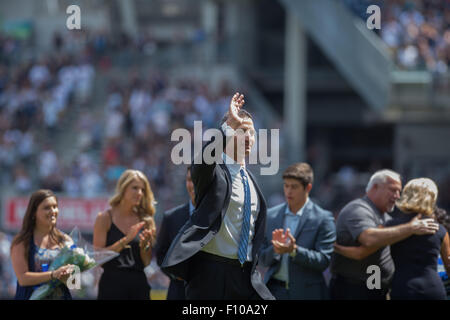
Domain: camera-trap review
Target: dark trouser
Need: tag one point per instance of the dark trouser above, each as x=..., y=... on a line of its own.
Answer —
x=176, y=290
x=216, y=278
x=342, y=288
x=123, y=285
x=278, y=289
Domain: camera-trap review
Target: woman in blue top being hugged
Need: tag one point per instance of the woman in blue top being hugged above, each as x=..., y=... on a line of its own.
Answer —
x=35, y=247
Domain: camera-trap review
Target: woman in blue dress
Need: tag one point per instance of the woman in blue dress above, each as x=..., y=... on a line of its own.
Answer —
x=36, y=245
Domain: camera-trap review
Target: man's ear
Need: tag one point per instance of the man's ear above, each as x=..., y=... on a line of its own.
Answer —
x=309, y=187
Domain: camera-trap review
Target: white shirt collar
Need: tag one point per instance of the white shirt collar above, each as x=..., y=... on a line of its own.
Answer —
x=230, y=163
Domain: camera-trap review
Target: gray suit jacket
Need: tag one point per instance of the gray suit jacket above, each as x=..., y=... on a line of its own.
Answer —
x=315, y=235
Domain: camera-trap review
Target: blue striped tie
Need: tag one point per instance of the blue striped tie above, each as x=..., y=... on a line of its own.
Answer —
x=243, y=242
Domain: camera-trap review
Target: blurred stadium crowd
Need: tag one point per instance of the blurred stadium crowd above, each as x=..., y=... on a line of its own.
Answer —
x=417, y=32
x=34, y=97
x=139, y=112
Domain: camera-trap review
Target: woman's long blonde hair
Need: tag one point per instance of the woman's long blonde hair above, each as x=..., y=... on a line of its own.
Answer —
x=146, y=209
x=418, y=196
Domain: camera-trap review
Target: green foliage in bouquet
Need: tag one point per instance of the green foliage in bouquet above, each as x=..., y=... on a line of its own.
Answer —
x=79, y=253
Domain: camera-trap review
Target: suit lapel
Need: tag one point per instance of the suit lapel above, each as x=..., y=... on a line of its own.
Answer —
x=256, y=186
x=305, y=216
x=229, y=188
x=186, y=214
x=279, y=219
x=180, y=219
x=260, y=223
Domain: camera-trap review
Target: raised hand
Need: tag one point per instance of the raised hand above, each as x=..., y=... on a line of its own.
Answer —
x=237, y=101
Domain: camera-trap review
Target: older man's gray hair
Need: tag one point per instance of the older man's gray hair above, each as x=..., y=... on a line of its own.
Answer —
x=381, y=176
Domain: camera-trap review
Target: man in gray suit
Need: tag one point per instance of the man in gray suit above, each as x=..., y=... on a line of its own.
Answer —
x=299, y=240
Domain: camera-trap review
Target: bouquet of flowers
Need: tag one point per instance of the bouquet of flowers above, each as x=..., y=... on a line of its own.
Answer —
x=77, y=252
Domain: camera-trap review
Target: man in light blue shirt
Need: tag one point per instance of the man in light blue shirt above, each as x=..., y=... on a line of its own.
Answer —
x=299, y=240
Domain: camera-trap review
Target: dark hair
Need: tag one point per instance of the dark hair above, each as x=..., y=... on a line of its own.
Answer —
x=29, y=221
x=300, y=171
x=442, y=217
x=189, y=168
x=241, y=113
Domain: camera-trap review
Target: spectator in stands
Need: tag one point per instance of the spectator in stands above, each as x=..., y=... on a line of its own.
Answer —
x=22, y=181
x=414, y=31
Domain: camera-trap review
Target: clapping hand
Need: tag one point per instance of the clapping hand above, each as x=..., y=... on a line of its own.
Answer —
x=145, y=239
x=134, y=230
x=283, y=242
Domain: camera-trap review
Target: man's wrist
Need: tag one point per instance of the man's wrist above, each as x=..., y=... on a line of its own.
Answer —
x=293, y=252
x=227, y=130
x=411, y=228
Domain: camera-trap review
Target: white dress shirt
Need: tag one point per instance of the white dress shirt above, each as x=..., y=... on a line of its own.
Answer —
x=226, y=241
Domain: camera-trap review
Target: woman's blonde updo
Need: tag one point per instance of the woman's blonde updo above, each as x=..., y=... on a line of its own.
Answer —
x=418, y=196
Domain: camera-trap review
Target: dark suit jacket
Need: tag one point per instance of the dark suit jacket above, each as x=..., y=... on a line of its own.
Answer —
x=171, y=223
x=315, y=235
x=212, y=183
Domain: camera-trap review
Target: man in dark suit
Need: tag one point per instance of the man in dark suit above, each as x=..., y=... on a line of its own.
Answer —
x=216, y=251
x=299, y=240
x=171, y=223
